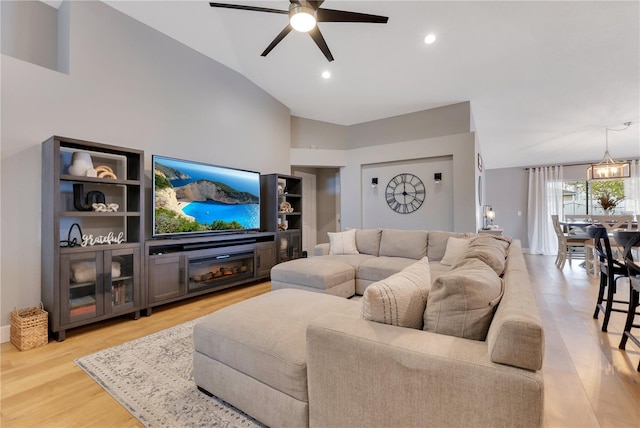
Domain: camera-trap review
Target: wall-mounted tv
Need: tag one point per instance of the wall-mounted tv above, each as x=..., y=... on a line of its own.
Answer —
x=199, y=198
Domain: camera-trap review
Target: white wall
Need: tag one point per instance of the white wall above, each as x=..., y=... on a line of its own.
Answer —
x=131, y=86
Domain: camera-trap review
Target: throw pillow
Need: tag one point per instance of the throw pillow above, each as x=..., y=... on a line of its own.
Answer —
x=343, y=242
x=455, y=249
x=400, y=299
x=462, y=301
x=491, y=251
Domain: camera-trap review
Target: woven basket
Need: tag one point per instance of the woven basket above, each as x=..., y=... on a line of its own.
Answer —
x=29, y=328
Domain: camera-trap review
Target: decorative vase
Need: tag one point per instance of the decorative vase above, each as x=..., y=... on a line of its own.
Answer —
x=80, y=164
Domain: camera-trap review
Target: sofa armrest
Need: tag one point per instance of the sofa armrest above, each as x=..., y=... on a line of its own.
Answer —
x=362, y=373
x=321, y=249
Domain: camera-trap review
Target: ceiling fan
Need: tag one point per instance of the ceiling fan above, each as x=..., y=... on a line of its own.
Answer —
x=303, y=15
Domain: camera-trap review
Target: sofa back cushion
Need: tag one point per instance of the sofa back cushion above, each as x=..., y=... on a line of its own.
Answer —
x=437, y=244
x=411, y=244
x=462, y=301
x=490, y=250
x=400, y=299
x=368, y=241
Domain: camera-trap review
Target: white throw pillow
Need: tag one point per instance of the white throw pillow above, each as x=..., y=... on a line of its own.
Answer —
x=455, y=249
x=400, y=299
x=343, y=242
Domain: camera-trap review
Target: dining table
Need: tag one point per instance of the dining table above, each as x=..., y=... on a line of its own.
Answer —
x=582, y=225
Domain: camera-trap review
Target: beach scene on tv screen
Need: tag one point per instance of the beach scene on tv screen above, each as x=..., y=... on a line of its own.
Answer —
x=195, y=197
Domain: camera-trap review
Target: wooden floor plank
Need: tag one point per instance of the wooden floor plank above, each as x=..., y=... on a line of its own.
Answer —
x=589, y=382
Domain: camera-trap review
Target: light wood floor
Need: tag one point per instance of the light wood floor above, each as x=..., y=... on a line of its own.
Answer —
x=588, y=381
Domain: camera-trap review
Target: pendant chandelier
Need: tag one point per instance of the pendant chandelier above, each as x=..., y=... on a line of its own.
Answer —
x=607, y=168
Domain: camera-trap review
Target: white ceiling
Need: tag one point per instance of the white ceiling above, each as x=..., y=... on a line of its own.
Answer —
x=544, y=78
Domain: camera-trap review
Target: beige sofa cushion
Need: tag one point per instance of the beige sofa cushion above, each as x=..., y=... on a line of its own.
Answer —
x=400, y=299
x=368, y=241
x=455, y=249
x=437, y=243
x=516, y=335
x=488, y=249
x=379, y=268
x=461, y=302
x=342, y=242
x=411, y=244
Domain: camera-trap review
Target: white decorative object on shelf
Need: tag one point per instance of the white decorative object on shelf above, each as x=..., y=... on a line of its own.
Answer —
x=111, y=238
x=80, y=164
x=104, y=208
x=286, y=207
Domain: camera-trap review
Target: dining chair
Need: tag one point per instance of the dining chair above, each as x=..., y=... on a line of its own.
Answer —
x=568, y=245
x=574, y=218
x=611, y=223
x=631, y=242
x=611, y=270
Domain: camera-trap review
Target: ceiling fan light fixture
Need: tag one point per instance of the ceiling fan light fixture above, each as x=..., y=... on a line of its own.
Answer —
x=302, y=18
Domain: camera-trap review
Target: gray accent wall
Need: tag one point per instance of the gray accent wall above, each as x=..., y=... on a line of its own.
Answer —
x=421, y=140
x=127, y=85
x=506, y=190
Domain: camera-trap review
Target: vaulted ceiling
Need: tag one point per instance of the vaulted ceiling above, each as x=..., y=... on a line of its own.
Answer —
x=544, y=78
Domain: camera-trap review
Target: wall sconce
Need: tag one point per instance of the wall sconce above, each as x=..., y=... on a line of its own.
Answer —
x=437, y=177
x=374, y=182
x=488, y=215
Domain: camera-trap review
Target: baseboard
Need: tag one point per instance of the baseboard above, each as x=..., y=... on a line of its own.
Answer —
x=5, y=333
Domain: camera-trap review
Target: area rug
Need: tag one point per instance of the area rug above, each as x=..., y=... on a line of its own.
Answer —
x=152, y=377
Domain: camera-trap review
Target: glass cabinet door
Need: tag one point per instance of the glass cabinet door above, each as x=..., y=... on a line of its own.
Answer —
x=81, y=286
x=122, y=270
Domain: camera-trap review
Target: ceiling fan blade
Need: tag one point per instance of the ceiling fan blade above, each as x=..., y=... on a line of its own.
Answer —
x=331, y=15
x=277, y=40
x=316, y=35
x=252, y=8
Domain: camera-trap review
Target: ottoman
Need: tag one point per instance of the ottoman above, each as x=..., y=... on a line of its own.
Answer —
x=316, y=274
x=253, y=354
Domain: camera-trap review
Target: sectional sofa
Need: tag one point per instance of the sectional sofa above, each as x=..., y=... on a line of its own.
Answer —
x=451, y=336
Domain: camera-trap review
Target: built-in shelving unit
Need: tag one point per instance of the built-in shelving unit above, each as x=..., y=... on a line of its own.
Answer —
x=281, y=210
x=91, y=259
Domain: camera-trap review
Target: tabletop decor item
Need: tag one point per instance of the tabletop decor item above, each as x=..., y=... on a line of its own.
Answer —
x=608, y=202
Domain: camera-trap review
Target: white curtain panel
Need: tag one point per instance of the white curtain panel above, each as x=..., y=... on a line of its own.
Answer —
x=545, y=199
x=632, y=189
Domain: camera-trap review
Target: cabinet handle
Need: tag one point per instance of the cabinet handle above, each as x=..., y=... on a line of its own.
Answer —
x=181, y=273
x=107, y=280
x=259, y=264
x=226, y=256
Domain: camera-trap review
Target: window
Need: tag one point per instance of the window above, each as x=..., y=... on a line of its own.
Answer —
x=584, y=197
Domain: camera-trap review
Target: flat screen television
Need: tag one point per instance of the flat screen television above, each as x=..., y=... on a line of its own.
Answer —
x=198, y=198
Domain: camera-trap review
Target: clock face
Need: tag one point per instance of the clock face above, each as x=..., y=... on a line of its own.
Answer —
x=405, y=193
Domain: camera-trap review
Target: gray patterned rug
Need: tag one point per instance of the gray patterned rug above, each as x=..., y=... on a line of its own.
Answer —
x=152, y=377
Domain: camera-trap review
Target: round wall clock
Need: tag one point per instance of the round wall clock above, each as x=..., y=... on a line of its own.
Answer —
x=405, y=193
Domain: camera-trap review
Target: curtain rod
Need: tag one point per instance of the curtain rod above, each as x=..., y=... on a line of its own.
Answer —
x=571, y=164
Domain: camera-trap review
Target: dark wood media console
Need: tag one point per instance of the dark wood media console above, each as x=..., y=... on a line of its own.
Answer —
x=177, y=269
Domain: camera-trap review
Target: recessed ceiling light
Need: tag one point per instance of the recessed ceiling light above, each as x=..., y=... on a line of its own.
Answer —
x=430, y=38
x=326, y=74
